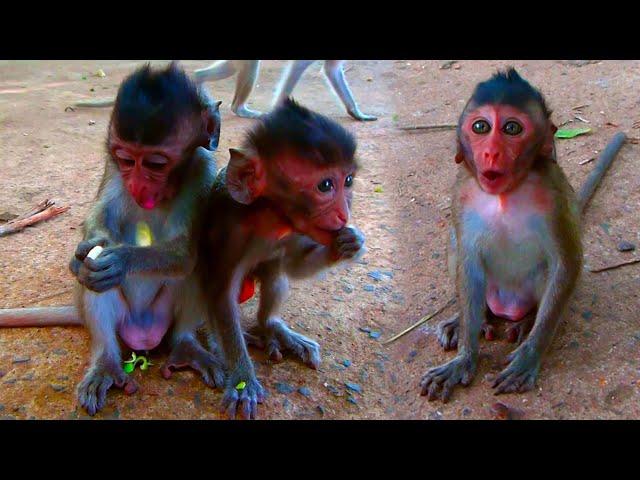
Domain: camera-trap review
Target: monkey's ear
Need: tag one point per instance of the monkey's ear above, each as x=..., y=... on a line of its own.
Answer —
x=549, y=146
x=245, y=177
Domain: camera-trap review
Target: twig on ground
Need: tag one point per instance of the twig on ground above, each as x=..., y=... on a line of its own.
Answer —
x=44, y=211
x=612, y=267
x=420, y=322
x=428, y=127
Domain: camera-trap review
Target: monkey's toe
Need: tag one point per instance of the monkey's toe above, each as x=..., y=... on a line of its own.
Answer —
x=447, y=332
x=439, y=382
x=242, y=402
x=92, y=390
x=246, y=112
x=190, y=353
x=521, y=373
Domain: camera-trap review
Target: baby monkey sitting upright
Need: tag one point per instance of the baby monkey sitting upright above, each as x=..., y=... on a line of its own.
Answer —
x=281, y=209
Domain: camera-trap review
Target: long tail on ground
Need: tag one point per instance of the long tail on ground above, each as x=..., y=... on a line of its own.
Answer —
x=39, y=317
x=602, y=165
x=107, y=102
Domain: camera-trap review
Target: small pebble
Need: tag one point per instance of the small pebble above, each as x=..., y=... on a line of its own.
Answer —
x=466, y=411
x=376, y=275
x=60, y=351
x=21, y=359
x=284, y=388
x=369, y=288
x=587, y=314
x=352, y=400
x=346, y=362
x=374, y=334
x=57, y=388
x=347, y=288
x=320, y=409
x=625, y=246
x=364, y=329
x=353, y=387
x=304, y=391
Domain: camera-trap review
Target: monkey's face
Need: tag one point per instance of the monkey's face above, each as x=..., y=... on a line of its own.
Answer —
x=502, y=142
x=146, y=169
x=316, y=199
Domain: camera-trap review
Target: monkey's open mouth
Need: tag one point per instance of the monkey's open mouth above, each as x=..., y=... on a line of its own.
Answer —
x=492, y=175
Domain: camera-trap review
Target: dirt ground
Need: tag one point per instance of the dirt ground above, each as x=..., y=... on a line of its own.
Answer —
x=401, y=199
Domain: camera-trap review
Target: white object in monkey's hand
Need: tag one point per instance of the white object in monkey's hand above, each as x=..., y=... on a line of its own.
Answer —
x=95, y=252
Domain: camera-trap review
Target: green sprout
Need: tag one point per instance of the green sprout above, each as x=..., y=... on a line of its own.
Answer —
x=130, y=365
x=241, y=386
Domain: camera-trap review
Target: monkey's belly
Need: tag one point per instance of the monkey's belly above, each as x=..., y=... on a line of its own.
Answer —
x=150, y=314
x=509, y=304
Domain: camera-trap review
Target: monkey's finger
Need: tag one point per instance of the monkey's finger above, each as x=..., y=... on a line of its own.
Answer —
x=432, y=393
x=101, y=393
x=85, y=247
x=254, y=409
x=245, y=406
x=103, y=262
x=74, y=266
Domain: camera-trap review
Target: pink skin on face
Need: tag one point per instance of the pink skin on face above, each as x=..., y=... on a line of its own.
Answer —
x=331, y=210
x=145, y=169
x=496, y=153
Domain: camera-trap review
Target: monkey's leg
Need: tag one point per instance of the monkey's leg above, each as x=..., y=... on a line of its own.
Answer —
x=218, y=71
x=102, y=314
x=247, y=78
x=242, y=390
x=186, y=350
x=334, y=71
x=440, y=381
x=517, y=331
x=448, y=332
x=276, y=335
x=290, y=79
x=524, y=362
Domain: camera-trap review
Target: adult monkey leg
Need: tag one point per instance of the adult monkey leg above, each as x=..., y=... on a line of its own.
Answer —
x=334, y=70
x=290, y=79
x=272, y=332
x=218, y=71
x=246, y=81
x=102, y=314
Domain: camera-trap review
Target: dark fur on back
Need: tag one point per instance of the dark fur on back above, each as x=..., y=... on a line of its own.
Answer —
x=303, y=132
x=508, y=88
x=151, y=102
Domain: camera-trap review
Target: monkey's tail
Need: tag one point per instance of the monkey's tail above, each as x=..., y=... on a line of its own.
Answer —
x=602, y=165
x=39, y=317
x=106, y=102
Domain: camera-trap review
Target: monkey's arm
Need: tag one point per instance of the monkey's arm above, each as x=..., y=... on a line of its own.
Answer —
x=305, y=258
x=564, y=253
x=243, y=391
x=471, y=286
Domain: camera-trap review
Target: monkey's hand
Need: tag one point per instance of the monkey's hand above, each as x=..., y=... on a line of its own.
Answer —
x=92, y=390
x=189, y=353
x=83, y=250
x=439, y=382
x=107, y=271
x=348, y=244
x=242, y=394
x=277, y=337
x=522, y=371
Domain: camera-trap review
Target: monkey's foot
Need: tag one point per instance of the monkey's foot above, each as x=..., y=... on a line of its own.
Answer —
x=518, y=331
x=245, y=112
x=92, y=390
x=521, y=373
x=439, y=382
x=278, y=337
x=189, y=353
x=447, y=332
x=242, y=395
x=363, y=117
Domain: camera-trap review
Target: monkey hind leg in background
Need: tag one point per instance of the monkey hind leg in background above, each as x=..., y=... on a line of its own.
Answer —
x=134, y=265
x=248, y=70
x=515, y=246
x=281, y=209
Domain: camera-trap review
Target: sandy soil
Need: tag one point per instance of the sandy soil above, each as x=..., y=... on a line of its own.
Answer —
x=592, y=370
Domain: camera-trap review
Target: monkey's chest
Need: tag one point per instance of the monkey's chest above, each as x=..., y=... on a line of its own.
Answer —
x=515, y=262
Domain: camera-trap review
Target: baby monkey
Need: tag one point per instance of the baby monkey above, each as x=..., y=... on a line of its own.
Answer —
x=281, y=208
x=515, y=244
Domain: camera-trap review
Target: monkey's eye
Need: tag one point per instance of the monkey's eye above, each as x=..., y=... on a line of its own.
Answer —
x=481, y=127
x=348, y=181
x=125, y=158
x=325, y=185
x=512, y=128
x=155, y=162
